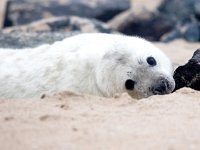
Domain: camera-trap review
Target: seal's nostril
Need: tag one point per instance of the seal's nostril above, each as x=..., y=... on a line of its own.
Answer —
x=162, y=87
x=158, y=90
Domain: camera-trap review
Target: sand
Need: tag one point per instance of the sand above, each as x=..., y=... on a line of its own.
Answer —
x=67, y=121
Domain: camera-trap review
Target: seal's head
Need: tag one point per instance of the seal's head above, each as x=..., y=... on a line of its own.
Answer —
x=136, y=67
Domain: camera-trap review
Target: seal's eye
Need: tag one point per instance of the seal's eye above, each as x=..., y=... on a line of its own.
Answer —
x=129, y=84
x=151, y=61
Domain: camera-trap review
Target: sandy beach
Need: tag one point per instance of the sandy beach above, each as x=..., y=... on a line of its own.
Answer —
x=68, y=121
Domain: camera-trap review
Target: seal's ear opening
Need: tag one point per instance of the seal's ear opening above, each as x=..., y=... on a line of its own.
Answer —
x=129, y=84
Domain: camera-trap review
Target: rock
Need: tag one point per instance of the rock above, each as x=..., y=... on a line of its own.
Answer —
x=184, y=13
x=197, y=10
x=144, y=23
x=166, y=21
x=3, y=4
x=63, y=24
x=181, y=11
x=188, y=75
x=146, y=4
x=191, y=32
x=121, y=21
x=25, y=11
x=172, y=35
x=22, y=40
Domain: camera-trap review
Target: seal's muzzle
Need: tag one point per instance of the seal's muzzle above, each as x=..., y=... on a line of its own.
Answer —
x=163, y=86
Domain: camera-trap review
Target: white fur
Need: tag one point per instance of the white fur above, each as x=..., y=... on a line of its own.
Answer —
x=97, y=64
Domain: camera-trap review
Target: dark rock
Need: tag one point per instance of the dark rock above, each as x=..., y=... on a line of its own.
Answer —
x=63, y=24
x=188, y=75
x=185, y=13
x=172, y=35
x=191, y=32
x=22, y=40
x=147, y=24
x=25, y=11
x=197, y=10
x=170, y=20
x=180, y=10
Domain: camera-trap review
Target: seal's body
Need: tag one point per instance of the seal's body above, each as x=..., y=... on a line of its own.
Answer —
x=97, y=64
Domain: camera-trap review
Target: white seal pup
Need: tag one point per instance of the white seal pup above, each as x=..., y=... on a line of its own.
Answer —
x=97, y=64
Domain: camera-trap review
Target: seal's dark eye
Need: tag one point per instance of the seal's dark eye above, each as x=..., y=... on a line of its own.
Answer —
x=151, y=61
x=129, y=84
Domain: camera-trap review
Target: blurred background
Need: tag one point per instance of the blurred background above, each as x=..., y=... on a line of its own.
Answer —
x=32, y=22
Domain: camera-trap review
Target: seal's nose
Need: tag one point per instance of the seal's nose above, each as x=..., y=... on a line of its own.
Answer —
x=162, y=87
